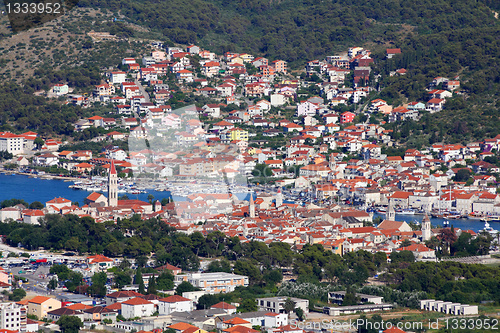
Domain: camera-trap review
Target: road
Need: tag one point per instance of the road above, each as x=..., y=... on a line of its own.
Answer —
x=142, y=90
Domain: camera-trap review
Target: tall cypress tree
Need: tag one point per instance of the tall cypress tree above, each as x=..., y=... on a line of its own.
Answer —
x=140, y=281
x=152, y=285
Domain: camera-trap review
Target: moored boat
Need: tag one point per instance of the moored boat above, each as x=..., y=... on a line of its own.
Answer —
x=491, y=218
x=407, y=212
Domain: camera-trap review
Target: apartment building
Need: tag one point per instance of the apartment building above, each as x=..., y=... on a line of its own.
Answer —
x=277, y=304
x=11, y=143
x=12, y=317
x=214, y=283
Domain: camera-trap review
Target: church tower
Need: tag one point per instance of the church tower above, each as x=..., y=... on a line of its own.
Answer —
x=391, y=213
x=426, y=228
x=279, y=198
x=252, y=206
x=112, y=186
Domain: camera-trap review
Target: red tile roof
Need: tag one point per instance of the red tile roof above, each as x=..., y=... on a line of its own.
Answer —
x=174, y=299
x=136, y=301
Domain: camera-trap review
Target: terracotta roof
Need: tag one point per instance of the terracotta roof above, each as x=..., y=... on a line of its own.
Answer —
x=64, y=312
x=174, y=299
x=223, y=305
x=415, y=248
x=191, y=330
x=114, y=306
x=240, y=329
x=136, y=301
x=122, y=294
x=38, y=299
x=79, y=306
x=390, y=225
x=180, y=326
x=58, y=200
x=236, y=321
x=93, y=196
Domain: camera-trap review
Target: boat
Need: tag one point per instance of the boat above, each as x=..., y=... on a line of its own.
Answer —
x=446, y=223
x=407, y=212
x=491, y=218
x=476, y=216
x=489, y=229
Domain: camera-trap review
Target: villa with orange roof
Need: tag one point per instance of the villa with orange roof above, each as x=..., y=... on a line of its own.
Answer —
x=40, y=305
x=58, y=203
x=99, y=263
x=420, y=251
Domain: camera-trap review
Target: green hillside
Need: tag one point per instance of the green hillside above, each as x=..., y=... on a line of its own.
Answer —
x=438, y=38
x=296, y=30
x=470, y=54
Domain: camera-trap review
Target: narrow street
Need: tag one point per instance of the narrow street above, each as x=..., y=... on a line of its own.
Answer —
x=143, y=91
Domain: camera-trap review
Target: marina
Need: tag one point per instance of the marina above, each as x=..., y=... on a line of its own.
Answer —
x=37, y=189
x=464, y=224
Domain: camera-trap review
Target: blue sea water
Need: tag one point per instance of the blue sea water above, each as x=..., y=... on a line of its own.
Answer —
x=37, y=189
x=464, y=224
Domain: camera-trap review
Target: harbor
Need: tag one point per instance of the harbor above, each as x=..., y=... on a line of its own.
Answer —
x=462, y=223
x=36, y=189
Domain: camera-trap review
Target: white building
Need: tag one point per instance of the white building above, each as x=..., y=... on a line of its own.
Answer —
x=12, y=316
x=337, y=297
x=276, y=304
x=32, y=216
x=272, y=319
x=118, y=77
x=174, y=303
x=11, y=143
x=278, y=99
x=137, y=307
x=306, y=109
x=9, y=213
x=214, y=283
x=456, y=309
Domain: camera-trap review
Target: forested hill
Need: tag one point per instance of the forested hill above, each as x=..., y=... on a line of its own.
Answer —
x=298, y=29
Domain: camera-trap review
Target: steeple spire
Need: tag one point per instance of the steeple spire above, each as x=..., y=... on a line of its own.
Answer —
x=112, y=185
x=279, y=198
x=426, y=228
x=252, y=206
x=391, y=213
